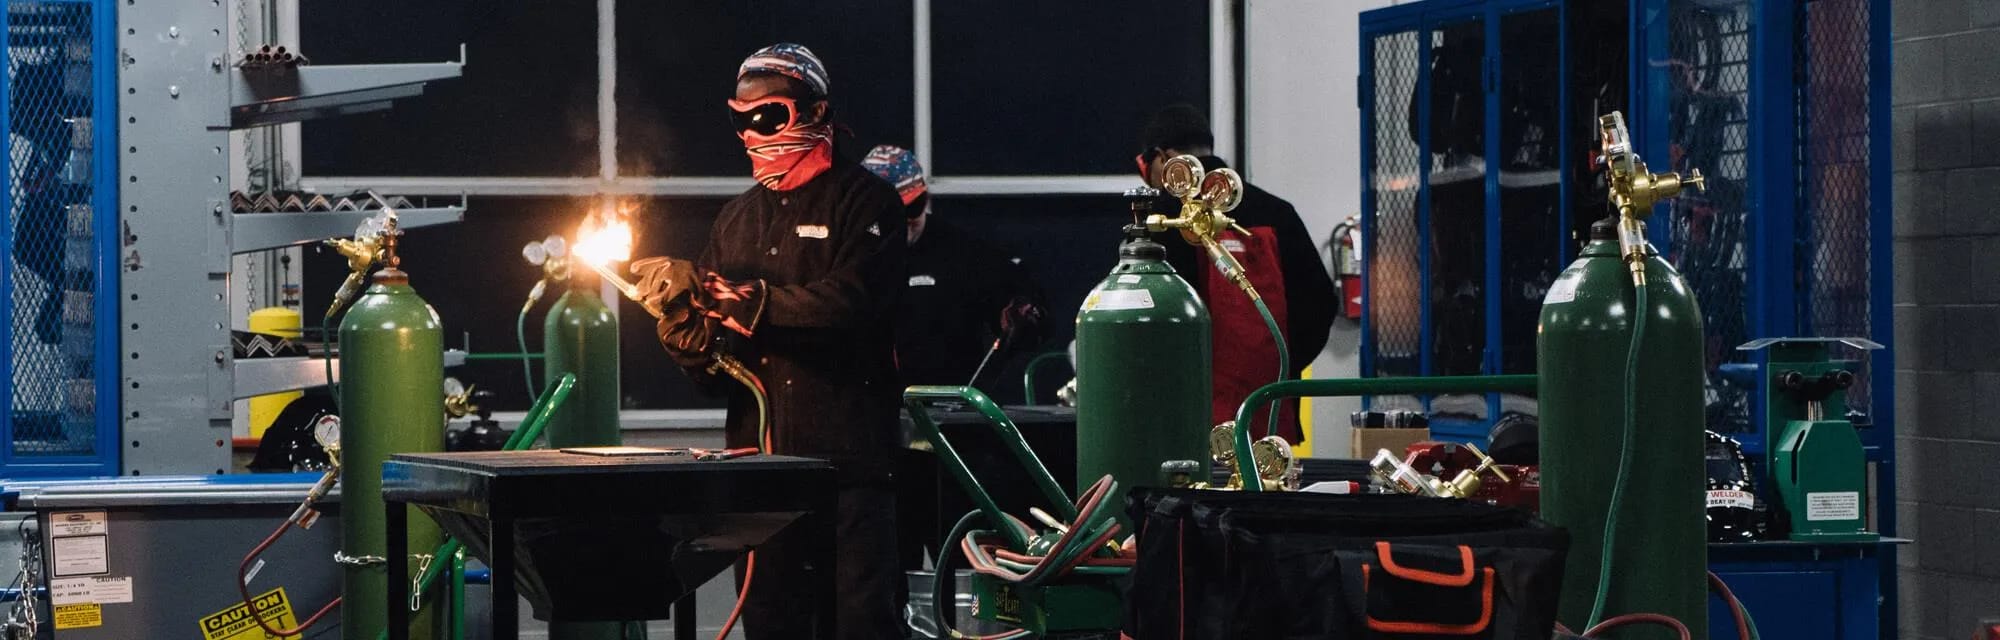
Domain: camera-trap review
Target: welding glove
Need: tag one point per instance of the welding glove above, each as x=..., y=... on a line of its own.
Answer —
x=662, y=280
x=739, y=305
x=1019, y=323
x=687, y=333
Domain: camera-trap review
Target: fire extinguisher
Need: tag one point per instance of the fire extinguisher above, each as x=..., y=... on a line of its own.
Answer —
x=1346, y=243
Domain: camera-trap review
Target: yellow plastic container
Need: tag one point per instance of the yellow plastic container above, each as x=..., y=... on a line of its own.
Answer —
x=277, y=321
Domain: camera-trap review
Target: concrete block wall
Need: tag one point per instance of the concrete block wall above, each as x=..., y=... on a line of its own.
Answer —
x=1947, y=296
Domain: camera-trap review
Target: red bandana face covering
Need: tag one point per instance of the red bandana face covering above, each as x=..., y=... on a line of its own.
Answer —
x=791, y=154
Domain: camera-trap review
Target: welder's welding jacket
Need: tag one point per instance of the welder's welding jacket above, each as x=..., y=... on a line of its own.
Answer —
x=831, y=255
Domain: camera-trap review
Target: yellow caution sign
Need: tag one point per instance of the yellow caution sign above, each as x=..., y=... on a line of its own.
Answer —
x=79, y=616
x=235, y=623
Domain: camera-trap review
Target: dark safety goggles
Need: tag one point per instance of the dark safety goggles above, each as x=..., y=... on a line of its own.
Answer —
x=764, y=116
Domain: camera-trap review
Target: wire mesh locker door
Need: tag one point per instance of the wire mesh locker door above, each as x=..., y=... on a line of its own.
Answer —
x=62, y=396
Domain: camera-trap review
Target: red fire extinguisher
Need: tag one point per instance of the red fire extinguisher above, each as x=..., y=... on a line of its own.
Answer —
x=1346, y=243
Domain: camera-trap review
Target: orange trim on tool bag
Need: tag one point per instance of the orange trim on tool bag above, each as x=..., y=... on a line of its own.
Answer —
x=1485, y=614
x=1427, y=577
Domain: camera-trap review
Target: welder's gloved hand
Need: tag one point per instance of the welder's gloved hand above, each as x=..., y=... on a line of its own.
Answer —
x=661, y=280
x=739, y=305
x=1020, y=323
x=687, y=333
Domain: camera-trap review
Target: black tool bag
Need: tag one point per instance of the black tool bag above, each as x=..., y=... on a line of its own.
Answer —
x=1219, y=564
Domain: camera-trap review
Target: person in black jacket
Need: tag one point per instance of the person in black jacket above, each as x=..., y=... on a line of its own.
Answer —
x=967, y=301
x=966, y=297
x=799, y=281
x=1282, y=262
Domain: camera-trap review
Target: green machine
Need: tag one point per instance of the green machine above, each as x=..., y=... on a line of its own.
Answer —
x=1621, y=385
x=1818, y=471
x=391, y=375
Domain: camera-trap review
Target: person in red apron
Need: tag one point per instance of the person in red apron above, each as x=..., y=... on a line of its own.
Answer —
x=1282, y=261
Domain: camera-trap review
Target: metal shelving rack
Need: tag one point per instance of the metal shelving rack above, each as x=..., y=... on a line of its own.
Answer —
x=179, y=96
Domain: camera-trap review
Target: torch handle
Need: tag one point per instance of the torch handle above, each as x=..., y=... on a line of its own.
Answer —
x=631, y=292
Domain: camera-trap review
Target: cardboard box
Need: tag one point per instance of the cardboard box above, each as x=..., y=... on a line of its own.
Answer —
x=1365, y=442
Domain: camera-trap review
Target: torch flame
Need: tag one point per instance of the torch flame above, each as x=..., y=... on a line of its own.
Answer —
x=600, y=243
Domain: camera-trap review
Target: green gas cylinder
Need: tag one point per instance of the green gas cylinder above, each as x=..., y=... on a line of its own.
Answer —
x=581, y=337
x=1142, y=371
x=1659, y=561
x=392, y=401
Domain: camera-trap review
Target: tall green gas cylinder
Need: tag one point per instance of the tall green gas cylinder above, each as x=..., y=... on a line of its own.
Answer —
x=581, y=337
x=392, y=401
x=1142, y=371
x=1659, y=561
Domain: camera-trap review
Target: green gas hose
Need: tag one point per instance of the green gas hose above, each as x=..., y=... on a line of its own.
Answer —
x=521, y=340
x=1284, y=357
x=1624, y=455
x=326, y=337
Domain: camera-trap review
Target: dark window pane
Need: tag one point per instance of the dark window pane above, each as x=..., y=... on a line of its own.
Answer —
x=1051, y=87
x=1530, y=179
x=677, y=65
x=527, y=104
x=1068, y=243
x=472, y=273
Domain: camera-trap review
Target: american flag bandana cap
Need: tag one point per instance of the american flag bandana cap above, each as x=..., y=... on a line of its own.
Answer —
x=898, y=166
x=791, y=60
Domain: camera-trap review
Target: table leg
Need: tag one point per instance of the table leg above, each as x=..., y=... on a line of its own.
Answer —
x=506, y=605
x=398, y=515
x=684, y=617
x=823, y=534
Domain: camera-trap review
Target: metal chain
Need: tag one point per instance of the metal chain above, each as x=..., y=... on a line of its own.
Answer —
x=341, y=557
x=23, y=620
x=250, y=283
x=417, y=581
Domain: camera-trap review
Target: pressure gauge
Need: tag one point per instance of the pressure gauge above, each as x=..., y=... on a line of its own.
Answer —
x=453, y=388
x=535, y=253
x=373, y=226
x=326, y=430
x=1180, y=176
x=556, y=246
x=1222, y=190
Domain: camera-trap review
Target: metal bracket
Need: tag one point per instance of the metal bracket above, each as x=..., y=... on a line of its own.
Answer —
x=221, y=384
x=219, y=254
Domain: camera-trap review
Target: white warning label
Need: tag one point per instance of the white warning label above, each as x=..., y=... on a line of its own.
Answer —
x=80, y=556
x=1120, y=300
x=1833, y=505
x=1564, y=289
x=1731, y=498
x=78, y=523
x=91, y=590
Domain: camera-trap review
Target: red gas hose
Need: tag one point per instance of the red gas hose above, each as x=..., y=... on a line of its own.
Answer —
x=243, y=588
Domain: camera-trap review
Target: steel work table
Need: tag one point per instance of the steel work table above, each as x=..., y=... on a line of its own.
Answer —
x=560, y=527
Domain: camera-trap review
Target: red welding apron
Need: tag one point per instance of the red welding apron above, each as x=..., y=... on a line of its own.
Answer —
x=1245, y=357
